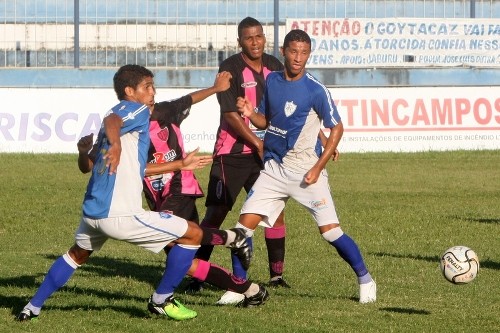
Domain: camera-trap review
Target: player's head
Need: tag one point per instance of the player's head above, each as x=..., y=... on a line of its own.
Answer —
x=251, y=38
x=134, y=83
x=296, y=51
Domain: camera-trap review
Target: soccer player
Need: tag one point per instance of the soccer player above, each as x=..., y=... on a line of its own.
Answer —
x=292, y=109
x=169, y=183
x=238, y=149
x=112, y=206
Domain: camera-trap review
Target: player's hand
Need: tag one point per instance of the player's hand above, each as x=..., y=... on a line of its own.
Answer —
x=194, y=162
x=222, y=81
x=244, y=106
x=335, y=155
x=85, y=144
x=112, y=157
x=312, y=176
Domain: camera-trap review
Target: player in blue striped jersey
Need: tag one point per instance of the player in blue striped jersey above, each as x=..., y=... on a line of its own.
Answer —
x=292, y=109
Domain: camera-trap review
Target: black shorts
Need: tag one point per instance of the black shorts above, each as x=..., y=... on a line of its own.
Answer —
x=181, y=205
x=229, y=174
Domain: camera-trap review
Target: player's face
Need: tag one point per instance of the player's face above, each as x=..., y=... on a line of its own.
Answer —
x=145, y=92
x=296, y=55
x=252, y=42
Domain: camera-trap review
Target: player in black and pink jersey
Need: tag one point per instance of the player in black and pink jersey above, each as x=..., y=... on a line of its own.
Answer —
x=238, y=149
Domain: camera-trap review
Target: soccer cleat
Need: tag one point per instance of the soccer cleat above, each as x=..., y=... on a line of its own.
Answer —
x=26, y=315
x=231, y=298
x=368, y=292
x=277, y=283
x=240, y=247
x=171, y=308
x=258, y=299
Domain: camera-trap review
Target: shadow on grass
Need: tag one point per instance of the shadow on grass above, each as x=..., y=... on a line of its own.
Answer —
x=100, y=266
x=406, y=311
x=474, y=219
x=486, y=263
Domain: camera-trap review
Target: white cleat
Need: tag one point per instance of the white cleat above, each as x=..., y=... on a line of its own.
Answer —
x=230, y=298
x=368, y=292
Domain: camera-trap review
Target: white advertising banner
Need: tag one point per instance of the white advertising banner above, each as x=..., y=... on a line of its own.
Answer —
x=396, y=42
x=375, y=119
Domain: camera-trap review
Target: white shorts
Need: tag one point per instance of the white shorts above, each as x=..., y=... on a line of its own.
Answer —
x=275, y=185
x=149, y=230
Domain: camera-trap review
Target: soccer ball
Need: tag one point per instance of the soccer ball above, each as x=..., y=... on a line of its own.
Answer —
x=459, y=264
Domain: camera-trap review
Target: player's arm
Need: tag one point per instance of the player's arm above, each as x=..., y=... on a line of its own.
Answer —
x=238, y=125
x=86, y=153
x=112, y=127
x=332, y=142
x=221, y=83
x=190, y=162
x=246, y=108
x=322, y=137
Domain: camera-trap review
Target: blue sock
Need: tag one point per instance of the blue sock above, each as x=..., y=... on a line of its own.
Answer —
x=349, y=251
x=57, y=276
x=179, y=261
x=238, y=269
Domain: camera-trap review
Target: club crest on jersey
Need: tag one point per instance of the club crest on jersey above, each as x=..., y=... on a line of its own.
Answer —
x=250, y=84
x=290, y=108
x=163, y=134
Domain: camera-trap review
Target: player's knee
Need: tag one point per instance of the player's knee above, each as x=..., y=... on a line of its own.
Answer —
x=332, y=234
x=194, y=234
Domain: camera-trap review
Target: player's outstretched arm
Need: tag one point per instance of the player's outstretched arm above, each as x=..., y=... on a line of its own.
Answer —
x=190, y=162
x=222, y=83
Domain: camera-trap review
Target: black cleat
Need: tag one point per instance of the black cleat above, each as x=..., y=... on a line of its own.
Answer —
x=258, y=299
x=194, y=287
x=240, y=248
x=278, y=283
x=26, y=315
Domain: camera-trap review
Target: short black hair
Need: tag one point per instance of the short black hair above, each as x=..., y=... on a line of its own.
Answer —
x=247, y=22
x=296, y=35
x=129, y=76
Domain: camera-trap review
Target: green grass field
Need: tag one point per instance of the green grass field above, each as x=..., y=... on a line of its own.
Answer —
x=403, y=209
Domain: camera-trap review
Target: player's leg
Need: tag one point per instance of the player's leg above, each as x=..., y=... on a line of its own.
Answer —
x=217, y=276
x=178, y=263
x=87, y=239
x=227, y=177
x=275, y=243
x=263, y=205
x=318, y=200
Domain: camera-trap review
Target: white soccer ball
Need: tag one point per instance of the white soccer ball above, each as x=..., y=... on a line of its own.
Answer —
x=459, y=264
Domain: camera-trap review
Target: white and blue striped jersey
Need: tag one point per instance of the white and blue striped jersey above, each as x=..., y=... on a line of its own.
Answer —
x=120, y=194
x=295, y=110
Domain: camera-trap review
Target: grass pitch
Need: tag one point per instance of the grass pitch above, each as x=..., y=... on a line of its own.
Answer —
x=403, y=210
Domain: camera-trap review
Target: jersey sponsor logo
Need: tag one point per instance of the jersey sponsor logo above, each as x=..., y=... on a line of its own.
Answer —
x=160, y=157
x=290, y=108
x=277, y=131
x=250, y=84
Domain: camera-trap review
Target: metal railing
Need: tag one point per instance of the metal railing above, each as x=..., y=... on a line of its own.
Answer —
x=176, y=33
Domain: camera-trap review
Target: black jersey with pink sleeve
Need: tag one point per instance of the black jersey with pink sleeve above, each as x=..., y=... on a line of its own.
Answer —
x=167, y=145
x=245, y=82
